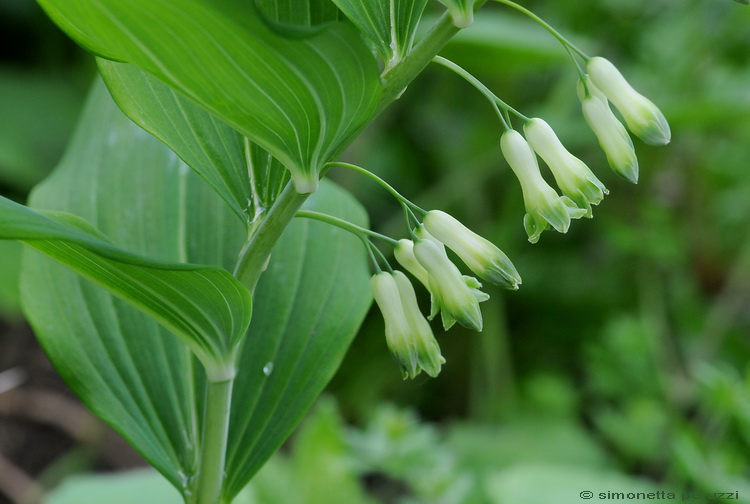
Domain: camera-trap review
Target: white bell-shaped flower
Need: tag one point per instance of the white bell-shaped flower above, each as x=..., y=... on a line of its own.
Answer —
x=643, y=118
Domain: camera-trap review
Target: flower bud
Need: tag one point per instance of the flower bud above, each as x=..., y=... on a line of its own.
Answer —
x=427, y=349
x=480, y=255
x=398, y=332
x=613, y=138
x=404, y=252
x=573, y=177
x=456, y=297
x=408, y=334
x=460, y=11
x=544, y=207
x=643, y=118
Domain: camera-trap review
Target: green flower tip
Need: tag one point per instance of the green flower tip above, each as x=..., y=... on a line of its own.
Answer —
x=428, y=355
x=455, y=296
x=544, y=207
x=573, y=177
x=643, y=118
x=408, y=334
x=479, y=254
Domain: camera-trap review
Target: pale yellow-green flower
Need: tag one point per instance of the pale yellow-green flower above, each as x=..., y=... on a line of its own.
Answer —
x=643, y=118
x=544, y=207
x=398, y=331
x=407, y=332
x=613, y=138
x=454, y=295
x=427, y=349
x=573, y=177
x=404, y=253
x=479, y=254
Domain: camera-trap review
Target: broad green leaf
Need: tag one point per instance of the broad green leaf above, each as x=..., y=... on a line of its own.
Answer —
x=243, y=174
x=134, y=373
x=129, y=370
x=307, y=308
x=301, y=99
x=298, y=17
x=389, y=24
x=205, y=143
x=205, y=306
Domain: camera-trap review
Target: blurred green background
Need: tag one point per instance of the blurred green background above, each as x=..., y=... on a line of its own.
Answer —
x=620, y=365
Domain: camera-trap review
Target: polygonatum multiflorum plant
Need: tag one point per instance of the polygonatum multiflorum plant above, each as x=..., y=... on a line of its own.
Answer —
x=190, y=273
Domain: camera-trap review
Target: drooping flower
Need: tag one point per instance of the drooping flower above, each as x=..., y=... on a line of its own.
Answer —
x=404, y=253
x=643, y=118
x=613, y=138
x=408, y=335
x=544, y=207
x=479, y=254
x=573, y=177
x=454, y=295
x=397, y=328
x=427, y=349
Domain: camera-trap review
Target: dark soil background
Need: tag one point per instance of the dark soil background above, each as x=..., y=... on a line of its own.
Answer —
x=45, y=433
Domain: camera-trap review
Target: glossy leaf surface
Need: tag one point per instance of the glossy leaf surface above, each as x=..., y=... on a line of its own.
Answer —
x=299, y=98
x=389, y=24
x=205, y=306
x=133, y=372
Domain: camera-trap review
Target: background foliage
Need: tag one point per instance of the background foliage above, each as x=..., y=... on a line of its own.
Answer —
x=624, y=355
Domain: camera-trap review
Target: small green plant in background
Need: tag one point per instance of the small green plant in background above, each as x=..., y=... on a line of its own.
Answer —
x=223, y=316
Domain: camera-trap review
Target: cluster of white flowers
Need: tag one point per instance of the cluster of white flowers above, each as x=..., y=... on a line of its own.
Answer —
x=580, y=188
x=455, y=296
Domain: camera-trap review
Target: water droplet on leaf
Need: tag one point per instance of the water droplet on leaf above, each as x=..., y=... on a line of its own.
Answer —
x=268, y=369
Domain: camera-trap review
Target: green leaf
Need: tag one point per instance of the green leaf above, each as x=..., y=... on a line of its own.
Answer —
x=389, y=24
x=308, y=306
x=205, y=306
x=242, y=173
x=134, y=373
x=300, y=99
x=129, y=370
x=300, y=17
x=205, y=143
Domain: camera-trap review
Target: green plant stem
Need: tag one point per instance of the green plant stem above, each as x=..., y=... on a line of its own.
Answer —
x=343, y=224
x=492, y=97
x=396, y=79
x=256, y=251
x=214, y=442
x=388, y=187
x=254, y=255
x=565, y=42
